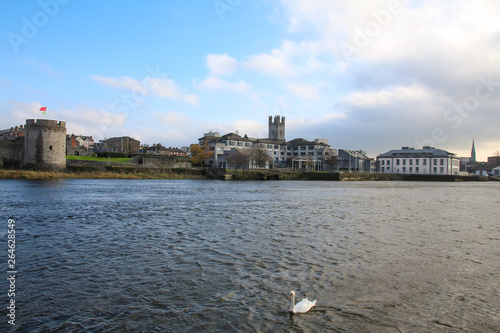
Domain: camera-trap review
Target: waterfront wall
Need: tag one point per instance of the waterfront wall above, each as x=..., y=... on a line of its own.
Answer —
x=12, y=153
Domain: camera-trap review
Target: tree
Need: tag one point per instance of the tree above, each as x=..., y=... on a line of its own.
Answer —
x=237, y=159
x=332, y=161
x=259, y=156
x=200, y=154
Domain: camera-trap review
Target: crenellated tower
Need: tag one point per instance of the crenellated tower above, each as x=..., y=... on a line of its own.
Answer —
x=277, y=128
x=45, y=144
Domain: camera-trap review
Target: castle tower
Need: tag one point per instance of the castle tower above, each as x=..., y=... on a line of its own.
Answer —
x=45, y=144
x=277, y=128
x=473, y=153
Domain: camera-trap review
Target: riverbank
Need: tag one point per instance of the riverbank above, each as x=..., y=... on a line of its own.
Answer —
x=126, y=172
x=109, y=173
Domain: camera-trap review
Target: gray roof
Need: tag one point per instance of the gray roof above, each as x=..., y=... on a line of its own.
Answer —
x=411, y=152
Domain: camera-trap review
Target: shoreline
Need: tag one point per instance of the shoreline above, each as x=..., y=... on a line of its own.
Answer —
x=220, y=174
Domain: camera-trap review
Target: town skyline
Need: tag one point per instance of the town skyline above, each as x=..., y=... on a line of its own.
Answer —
x=358, y=74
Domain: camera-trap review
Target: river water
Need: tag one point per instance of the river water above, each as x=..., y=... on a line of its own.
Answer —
x=214, y=256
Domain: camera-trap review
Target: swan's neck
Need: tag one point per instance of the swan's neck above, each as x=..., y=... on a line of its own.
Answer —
x=292, y=303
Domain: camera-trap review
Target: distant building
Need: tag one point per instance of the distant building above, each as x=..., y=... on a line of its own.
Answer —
x=494, y=161
x=79, y=145
x=355, y=160
x=123, y=144
x=232, y=150
x=425, y=161
x=12, y=133
x=158, y=149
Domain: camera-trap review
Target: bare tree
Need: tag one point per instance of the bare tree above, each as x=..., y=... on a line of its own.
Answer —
x=238, y=159
x=332, y=161
x=259, y=156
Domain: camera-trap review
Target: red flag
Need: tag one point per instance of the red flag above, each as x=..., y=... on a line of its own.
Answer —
x=43, y=108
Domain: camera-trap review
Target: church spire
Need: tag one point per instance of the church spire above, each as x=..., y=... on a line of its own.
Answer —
x=473, y=153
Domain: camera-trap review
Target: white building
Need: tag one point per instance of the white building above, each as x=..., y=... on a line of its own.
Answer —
x=296, y=154
x=425, y=161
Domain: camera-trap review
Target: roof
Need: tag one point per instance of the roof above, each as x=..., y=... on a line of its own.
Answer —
x=120, y=138
x=300, y=142
x=411, y=152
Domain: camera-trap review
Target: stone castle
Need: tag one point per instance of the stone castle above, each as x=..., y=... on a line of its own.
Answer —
x=40, y=144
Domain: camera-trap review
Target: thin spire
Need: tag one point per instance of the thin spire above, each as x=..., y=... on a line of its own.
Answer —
x=473, y=152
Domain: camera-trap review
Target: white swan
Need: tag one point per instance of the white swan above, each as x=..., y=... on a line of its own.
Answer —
x=302, y=306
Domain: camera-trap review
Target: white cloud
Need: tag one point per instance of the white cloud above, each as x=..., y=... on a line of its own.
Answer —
x=191, y=99
x=152, y=86
x=149, y=86
x=276, y=63
x=218, y=84
x=304, y=90
x=39, y=66
x=221, y=64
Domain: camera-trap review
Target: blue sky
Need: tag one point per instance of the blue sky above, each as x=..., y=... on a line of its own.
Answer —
x=364, y=74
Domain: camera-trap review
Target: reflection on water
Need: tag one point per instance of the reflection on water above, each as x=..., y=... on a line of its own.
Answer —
x=189, y=256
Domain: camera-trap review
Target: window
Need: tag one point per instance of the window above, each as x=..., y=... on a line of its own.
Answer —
x=397, y=161
x=269, y=146
x=411, y=162
x=240, y=144
x=50, y=147
x=442, y=161
x=441, y=170
x=435, y=162
x=404, y=162
x=417, y=169
x=435, y=170
x=382, y=162
x=411, y=169
x=404, y=169
x=425, y=162
x=417, y=162
x=388, y=162
x=231, y=142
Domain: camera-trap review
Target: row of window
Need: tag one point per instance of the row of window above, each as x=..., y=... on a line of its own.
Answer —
x=411, y=161
x=318, y=153
x=417, y=170
x=268, y=146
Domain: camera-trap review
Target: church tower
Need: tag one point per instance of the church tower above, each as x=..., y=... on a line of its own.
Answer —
x=277, y=128
x=473, y=153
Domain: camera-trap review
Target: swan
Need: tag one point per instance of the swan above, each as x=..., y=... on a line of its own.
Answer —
x=302, y=306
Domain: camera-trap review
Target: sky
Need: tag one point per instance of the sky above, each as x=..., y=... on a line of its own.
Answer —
x=364, y=74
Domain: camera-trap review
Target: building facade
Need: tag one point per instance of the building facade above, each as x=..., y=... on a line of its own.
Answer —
x=425, y=161
x=355, y=161
x=123, y=144
x=234, y=150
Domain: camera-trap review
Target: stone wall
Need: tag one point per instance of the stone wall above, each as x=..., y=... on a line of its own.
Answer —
x=12, y=153
x=45, y=144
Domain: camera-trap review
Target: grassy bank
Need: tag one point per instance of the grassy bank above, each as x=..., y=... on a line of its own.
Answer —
x=107, y=174
x=125, y=160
